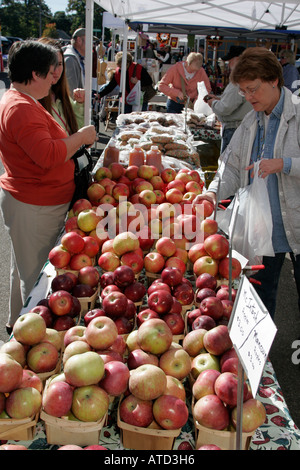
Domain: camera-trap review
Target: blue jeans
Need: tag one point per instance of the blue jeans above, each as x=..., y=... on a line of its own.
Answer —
x=174, y=107
x=269, y=278
x=226, y=138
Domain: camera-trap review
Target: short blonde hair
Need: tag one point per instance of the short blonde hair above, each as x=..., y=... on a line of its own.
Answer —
x=195, y=57
x=119, y=56
x=288, y=55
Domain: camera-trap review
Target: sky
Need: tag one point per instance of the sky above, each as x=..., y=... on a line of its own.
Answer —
x=57, y=5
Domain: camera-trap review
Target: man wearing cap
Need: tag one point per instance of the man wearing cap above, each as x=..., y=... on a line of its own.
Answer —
x=74, y=60
x=230, y=108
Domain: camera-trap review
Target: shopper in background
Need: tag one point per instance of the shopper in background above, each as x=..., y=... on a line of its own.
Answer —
x=268, y=134
x=230, y=108
x=38, y=183
x=134, y=73
x=291, y=75
x=180, y=82
x=68, y=112
x=74, y=55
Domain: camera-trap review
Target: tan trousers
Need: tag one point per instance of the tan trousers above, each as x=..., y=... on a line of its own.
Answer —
x=33, y=231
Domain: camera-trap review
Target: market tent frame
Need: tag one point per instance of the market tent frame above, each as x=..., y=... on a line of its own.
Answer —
x=249, y=15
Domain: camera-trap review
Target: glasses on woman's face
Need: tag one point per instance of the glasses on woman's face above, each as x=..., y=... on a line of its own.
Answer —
x=249, y=91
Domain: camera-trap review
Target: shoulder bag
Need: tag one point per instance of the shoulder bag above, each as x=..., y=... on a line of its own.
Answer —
x=82, y=174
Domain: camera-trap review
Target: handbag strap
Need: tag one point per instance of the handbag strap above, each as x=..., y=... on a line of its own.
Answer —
x=183, y=87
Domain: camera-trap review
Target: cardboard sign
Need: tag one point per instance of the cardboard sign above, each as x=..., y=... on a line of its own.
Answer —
x=252, y=332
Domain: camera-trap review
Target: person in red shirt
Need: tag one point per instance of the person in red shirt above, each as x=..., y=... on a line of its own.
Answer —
x=38, y=183
x=134, y=73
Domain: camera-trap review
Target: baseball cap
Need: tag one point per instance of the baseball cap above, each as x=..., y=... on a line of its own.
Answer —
x=78, y=33
x=234, y=51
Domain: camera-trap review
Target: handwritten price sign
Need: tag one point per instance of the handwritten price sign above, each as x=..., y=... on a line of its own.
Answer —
x=252, y=332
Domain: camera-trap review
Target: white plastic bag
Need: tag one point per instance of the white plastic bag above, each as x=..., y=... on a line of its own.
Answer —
x=200, y=107
x=134, y=98
x=252, y=235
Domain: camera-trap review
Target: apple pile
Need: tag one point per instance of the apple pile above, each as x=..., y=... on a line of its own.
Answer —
x=20, y=389
x=63, y=305
x=213, y=303
x=124, y=249
x=166, y=253
x=33, y=344
x=157, y=366
x=76, y=393
x=76, y=250
x=166, y=298
x=211, y=256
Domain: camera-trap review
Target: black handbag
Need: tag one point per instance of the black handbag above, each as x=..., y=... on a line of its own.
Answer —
x=148, y=90
x=82, y=174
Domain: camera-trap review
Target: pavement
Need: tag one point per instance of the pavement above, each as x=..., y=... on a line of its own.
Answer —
x=285, y=350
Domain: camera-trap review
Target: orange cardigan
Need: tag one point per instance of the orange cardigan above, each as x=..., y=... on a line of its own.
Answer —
x=170, y=84
x=33, y=153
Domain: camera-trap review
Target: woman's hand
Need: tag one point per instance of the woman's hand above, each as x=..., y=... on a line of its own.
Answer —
x=134, y=80
x=79, y=95
x=89, y=135
x=267, y=166
x=208, y=196
x=85, y=136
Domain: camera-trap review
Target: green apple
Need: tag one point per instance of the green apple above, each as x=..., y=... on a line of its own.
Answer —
x=90, y=403
x=23, y=403
x=204, y=361
x=84, y=369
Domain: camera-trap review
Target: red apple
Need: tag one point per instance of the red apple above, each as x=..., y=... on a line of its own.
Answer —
x=63, y=323
x=226, y=388
x=201, y=294
x=101, y=333
x=176, y=362
x=196, y=251
x=184, y=293
x=124, y=325
x=254, y=415
x=203, y=322
x=42, y=357
x=145, y=315
x=193, y=342
x=91, y=246
x=95, y=192
x=114, y=304
x=123, y=276
x=209, y=411
x=154, y=336
x=170, y=412
x=72, y=242
x=217, y=340
x=204, y=208
x=205, y=383
x=216, y=246
x=80, y=205
x=154, y=262
x=11, y=373
x=89, y=275
x=31, y=379
x=209, y=227
x=59, y=257
x=160, y=301
x=206, y=280
x=147, y=382
x=135, y=291
x=175, y=322
x=45, y=313
x=57, y=399
x=212, y=306
x=206, y=264
x=136, y=412
x=130, y=311
x=79, y=261
x=106, y=279
x=158, y=284
x=116, y=378
x=171, y=276
x=109, y=261
x=168, y=174
x=133, y=260
x=138, y=357
x=83, y=290
x=175, y=388
x=235, y=267
x=91, y=314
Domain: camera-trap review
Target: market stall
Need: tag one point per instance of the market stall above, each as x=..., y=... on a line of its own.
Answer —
x=277, y=431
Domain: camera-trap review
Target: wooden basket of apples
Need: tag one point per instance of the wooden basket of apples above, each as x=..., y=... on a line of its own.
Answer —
x=152, y=413
x=214, y=381
x=38, y=348
x=20, y=394
x=76, y=402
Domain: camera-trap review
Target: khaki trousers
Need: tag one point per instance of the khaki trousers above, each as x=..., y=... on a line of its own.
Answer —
x=33, y=231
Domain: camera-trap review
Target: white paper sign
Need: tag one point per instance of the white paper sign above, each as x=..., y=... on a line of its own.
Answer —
x=252, y=332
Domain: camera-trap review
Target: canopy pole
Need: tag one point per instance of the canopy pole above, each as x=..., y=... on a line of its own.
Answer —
x=89, y=16
x=124, y=67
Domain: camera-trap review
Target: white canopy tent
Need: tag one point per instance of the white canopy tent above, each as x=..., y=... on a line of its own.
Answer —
x=250, y=15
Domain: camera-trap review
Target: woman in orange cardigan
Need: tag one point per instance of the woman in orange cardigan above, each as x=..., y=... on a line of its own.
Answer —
x=190, y=73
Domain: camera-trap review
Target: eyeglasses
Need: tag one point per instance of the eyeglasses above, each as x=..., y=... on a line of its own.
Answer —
x=250, y=92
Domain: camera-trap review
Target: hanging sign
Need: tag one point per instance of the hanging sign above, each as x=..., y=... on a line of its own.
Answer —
x=252, y=332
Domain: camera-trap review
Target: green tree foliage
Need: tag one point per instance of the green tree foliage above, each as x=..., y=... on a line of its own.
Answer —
x=29, y=18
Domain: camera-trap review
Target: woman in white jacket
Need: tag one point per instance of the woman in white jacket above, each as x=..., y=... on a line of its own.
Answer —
x=269, y=134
